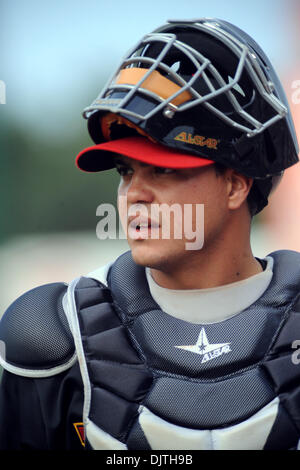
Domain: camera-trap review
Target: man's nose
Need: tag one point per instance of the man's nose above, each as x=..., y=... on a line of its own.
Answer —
x=139, y=189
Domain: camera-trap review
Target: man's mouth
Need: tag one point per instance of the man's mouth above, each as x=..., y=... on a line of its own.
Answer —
x=142, y=228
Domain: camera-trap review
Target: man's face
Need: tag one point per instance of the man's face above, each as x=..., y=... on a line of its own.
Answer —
x=145, y=196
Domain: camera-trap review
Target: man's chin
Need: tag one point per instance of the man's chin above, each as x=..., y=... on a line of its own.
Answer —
x=146, y=255
x=143, y=256
x=156, y=254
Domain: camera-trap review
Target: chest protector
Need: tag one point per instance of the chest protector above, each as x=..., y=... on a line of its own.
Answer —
x=153, y=381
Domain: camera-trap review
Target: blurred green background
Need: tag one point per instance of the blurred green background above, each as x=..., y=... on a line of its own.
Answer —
x=54, y=59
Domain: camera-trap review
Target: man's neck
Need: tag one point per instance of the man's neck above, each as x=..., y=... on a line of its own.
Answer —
x=226, y=260
x=207, y=273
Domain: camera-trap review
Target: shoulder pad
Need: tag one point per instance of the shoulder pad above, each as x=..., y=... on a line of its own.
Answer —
x=35, y=334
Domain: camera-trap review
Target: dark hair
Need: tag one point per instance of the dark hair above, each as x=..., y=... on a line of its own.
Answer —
x=253, y=196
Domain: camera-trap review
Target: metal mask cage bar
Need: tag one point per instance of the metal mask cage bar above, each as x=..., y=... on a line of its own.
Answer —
x=246, y=60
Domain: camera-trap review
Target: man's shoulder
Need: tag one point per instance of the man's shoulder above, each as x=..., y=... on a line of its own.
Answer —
x=36, y=334
x=36, y=340
x=37, y=329
x=286, y=262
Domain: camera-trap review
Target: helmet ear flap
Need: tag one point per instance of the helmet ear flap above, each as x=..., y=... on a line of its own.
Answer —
x=258, y=195
x=261, y=191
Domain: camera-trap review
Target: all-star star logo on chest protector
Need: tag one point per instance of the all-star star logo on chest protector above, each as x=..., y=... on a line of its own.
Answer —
x=208, y=350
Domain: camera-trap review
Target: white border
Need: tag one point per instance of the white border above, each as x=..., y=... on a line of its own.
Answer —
x=38, y=373
x=70, y=308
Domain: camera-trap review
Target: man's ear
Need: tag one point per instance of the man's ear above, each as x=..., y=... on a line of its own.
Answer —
x=238, y=187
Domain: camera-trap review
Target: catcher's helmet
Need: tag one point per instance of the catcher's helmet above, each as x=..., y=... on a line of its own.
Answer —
x=204, y=88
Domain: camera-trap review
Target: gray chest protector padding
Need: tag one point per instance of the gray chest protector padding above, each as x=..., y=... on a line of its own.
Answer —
x=235, y=377
x=36, y=334
x=133, y=359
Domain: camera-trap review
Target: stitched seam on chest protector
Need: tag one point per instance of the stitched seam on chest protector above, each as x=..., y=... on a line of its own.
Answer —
x=283, y=321
x=292, y=418
x=163, y=373
x=126, y=432
x=273, y=342
x=133, y=340
x=142, y=403
x=130, y=318
x=136, y=346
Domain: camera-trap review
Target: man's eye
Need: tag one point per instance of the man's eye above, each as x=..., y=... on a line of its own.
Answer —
x=123, y=170
x=164, y=171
